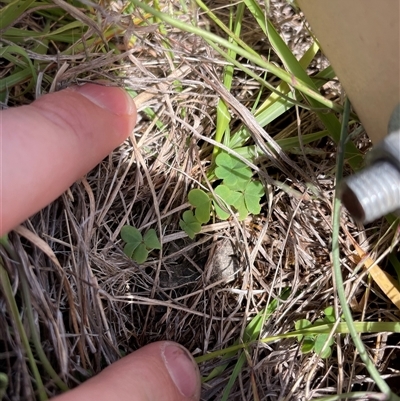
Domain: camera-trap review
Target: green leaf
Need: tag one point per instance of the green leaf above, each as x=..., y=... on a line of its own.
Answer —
x=151, y=240
x=130, y=248
x=227, y=194
x=252, y=194
x=329, y=319
x=301, y=324
x=329, y=311
x=232, y=198
x=326, y=353
x=307, y=345
x=234, y=172
x=133, y=239
x=140, y=254
x=319, y=344
x=8, y=52
x=190, y=224
x=223, y=192
x=198, y=197
x=201, y=201
x=240, y=206
x=221, y=212
x=131, y=234
x=12, y=11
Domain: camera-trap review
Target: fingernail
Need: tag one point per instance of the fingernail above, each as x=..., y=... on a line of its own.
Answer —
x=182, y=369
x=110, y=98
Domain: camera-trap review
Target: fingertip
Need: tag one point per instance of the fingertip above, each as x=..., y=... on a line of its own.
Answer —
x=111, y=98
x=162, y=371
x=182, y=368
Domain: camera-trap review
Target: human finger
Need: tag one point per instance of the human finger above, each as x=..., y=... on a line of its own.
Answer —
x=161, y=371
x=51, y=143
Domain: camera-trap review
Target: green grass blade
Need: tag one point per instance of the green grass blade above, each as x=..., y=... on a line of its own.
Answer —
x=6, y=285
x=8, y=53
x=287, y=144
x=3, y=385
x=298, y=72
x=324, y=76
x=223, y=116
x=12, y=11
x=329, y=120
x=316, y=100
x=276, y=104
x=15, y=79
x=341, y=328
x=235, y=373
x=258, y=60
x=31, y=320
x=380, y=382
x=257, y=12
x=251, y=333
x=36, y=339
x=220, y=24
x=65, y=34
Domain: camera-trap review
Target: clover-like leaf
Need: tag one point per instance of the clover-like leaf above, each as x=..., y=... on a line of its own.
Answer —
x=240, y=206
x=326, y=353
x=223, y=192
x=329, y=315
x=234, y=172
x=307, y=346
x=140, y=254
x=319, y=344
x=228, y=196
x=151, y=240
x=133, y=239
x=301, y=324
x=190, y=224
x=252, y=194
x=131, y=234
x=129, y=248
x=201, y=201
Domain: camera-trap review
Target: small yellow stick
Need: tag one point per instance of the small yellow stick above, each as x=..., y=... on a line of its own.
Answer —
x=385, y=281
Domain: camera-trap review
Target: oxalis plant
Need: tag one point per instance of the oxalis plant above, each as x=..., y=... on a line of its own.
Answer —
x=238, y=190
x=137, y=246
x=318, y=343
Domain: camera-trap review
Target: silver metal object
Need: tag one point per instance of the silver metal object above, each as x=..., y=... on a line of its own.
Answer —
x=375, y=191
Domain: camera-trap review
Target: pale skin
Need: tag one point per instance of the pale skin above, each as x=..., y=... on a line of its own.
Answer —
x=44, y=148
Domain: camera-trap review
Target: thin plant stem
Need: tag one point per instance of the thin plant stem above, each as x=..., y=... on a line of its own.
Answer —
x=279, y=72
x=341, y=328
x=5, y=282
x=28, y=308
x=382, y=385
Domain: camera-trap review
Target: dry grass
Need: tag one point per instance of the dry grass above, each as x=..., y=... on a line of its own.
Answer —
x=92, y=304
